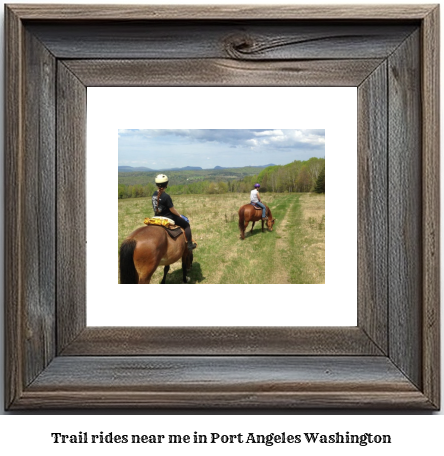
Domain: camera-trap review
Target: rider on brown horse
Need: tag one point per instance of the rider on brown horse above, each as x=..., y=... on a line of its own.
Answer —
x=163, y=206
x=256, y=199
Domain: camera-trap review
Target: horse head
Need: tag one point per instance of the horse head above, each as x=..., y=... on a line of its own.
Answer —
x=270, y=223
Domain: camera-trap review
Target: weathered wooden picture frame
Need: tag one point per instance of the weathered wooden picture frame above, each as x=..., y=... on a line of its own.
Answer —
x=389, y=360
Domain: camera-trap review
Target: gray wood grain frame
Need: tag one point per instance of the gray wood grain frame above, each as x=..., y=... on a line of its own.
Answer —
x=405, y=206
x=71, y=207
x=390, y=360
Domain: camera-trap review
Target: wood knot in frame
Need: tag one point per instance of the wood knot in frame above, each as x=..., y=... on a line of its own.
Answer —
x=239, y=46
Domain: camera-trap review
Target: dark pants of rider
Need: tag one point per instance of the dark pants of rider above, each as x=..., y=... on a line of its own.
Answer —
x=183, y=224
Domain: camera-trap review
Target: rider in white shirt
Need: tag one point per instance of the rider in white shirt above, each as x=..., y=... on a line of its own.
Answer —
x=255, y=198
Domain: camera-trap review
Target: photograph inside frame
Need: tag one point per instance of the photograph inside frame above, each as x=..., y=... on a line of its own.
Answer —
x=221, y=206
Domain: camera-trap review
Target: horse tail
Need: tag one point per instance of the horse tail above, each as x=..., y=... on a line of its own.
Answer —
x=242, y=218
x=128, y=273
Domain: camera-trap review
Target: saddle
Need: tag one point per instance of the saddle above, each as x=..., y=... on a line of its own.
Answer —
x=167, y=224
x=256, y=206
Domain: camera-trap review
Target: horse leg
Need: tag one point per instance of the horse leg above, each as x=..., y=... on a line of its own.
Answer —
x=145, y=280
x=243, y=228
x=145, y=266
x=145, y=275
x=252, y=226
x=184, y=269
x=165, y=272
x=262, y=226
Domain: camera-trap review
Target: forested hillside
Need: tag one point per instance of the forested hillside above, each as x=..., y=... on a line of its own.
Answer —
x=298, y=176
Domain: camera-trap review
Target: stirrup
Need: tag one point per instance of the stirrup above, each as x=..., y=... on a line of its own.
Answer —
x=191, y=245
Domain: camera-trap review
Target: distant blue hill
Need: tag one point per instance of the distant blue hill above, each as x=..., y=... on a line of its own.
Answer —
x=249, y=166
x=186, y=168
x=131, y=169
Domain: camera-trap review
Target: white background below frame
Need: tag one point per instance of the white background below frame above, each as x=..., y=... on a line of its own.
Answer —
x=331, y=304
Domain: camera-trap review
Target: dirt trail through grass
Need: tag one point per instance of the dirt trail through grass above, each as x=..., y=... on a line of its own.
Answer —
x=254, y=260
x=307, y=240
x=281, y=270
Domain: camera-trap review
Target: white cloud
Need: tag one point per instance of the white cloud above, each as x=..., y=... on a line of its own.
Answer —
x=252, y=142
x=269, y=133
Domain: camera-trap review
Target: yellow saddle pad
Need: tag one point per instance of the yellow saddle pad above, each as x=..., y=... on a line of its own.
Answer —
x=161, y=221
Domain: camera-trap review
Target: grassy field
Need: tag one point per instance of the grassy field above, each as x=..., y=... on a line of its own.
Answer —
x=294, y=252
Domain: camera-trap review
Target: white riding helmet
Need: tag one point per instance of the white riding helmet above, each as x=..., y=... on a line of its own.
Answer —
x=161, y=179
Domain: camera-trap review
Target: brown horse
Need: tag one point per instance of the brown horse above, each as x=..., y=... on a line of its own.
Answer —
x=248, y=213
x=147, y=248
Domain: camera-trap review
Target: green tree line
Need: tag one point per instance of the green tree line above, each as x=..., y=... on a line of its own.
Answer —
x=298, y=176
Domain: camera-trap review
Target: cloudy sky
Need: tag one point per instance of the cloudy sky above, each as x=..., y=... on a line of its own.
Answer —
x=163, y=149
